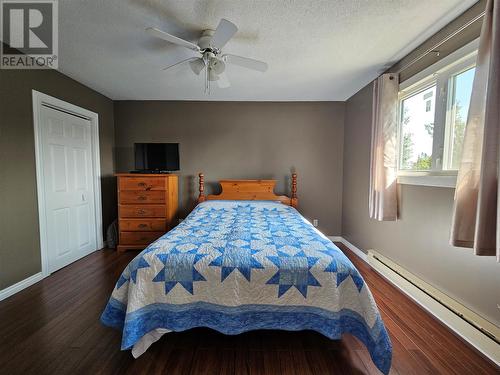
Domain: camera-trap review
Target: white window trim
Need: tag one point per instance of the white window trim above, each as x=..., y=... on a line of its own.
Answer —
x=426, y=179
x=457, y=60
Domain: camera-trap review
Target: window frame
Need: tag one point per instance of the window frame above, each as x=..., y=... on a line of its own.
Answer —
x=439, y=74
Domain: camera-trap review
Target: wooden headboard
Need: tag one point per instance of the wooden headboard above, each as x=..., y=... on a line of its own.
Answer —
x=262, y=190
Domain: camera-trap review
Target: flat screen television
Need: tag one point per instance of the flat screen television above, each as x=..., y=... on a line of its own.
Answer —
x=156, y=157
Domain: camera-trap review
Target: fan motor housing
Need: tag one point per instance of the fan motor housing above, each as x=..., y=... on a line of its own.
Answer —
x=206, y=37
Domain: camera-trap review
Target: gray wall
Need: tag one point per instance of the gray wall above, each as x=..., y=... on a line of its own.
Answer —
x=245, y=140
x=419, y=240
x=19, y=235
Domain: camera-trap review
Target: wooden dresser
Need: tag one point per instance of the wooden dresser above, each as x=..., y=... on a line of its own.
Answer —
x=147, y=208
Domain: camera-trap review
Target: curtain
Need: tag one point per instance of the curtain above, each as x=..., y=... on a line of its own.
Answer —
x=383, y=202
x=475, y=222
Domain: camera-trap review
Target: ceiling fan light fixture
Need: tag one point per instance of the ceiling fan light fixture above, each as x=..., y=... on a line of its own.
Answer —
x=197, y=66
x=217, y=66
x=212, y=76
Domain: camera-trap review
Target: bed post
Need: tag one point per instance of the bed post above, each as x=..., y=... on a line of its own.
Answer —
x=294, y=201
x=201, y=196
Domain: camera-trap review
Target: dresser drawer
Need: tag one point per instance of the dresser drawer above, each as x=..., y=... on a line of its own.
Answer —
x=143, y=211
x=139, y=238
x=143, y=225
x=142, y=183
x=141, y=197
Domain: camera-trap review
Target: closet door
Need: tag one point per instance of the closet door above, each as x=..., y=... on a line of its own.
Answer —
x=69, y=191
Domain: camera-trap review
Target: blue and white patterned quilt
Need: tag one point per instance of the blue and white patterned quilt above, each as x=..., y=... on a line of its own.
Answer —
x=236, y=266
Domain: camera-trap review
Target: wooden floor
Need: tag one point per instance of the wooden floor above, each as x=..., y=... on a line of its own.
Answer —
x=53, y=328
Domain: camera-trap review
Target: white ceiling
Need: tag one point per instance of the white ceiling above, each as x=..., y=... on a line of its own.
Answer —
x=316, y=50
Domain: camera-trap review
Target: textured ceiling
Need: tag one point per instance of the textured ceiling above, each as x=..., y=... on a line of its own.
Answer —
x=316, y=50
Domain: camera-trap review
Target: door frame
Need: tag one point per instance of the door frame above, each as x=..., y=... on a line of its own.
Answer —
x=40, y=100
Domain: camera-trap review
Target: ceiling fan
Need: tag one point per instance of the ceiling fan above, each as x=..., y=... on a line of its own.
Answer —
x=211, y=58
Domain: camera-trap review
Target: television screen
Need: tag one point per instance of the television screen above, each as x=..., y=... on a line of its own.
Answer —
x=157, y=156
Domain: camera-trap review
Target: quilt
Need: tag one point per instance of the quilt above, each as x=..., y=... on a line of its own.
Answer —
x=236, y=266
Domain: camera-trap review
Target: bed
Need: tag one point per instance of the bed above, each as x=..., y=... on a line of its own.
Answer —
x=245, y=260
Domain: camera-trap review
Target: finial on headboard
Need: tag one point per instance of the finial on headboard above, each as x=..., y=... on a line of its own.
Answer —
x=294, y=202
x=201, y=197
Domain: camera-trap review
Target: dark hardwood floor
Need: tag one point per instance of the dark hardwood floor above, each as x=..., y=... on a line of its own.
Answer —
x=53, y=328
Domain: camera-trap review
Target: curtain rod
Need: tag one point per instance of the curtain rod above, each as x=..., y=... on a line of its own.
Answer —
x=441, y=42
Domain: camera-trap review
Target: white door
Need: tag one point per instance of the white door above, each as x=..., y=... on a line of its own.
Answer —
x=66, y=146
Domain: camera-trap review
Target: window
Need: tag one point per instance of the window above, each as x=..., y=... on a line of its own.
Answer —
x=461, y=89
x=428, y=106
x=417, y=131
x=433, y=108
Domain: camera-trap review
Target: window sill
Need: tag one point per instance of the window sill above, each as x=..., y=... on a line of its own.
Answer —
x=447, y=181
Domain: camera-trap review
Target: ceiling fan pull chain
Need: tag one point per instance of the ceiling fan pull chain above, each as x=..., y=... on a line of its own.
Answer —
x=207, y=82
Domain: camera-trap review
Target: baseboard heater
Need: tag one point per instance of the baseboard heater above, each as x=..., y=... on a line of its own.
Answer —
x=481, y=333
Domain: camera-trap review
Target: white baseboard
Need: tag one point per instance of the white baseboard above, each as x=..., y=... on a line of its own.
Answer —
x=430, y=303
x=438, y=308
x=17, y=287
x=360, y=253
x=23, y=284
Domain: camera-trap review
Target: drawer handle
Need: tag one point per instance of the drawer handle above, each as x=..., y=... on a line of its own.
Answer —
x=142, y=225
x=141, y=212
x=142, y=197
x=145, y=186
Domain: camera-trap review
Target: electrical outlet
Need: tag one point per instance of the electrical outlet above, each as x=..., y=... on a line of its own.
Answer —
x=315, y=222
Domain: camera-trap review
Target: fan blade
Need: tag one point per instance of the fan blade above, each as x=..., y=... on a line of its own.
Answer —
x=223, y=81
x=191, y=59
x=245, y=62
x=197, y=65
x=225, y=31
x=171, y=38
